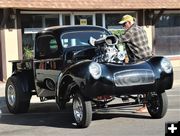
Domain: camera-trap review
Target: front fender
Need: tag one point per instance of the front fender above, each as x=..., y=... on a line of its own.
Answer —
x=76, y=74
x=163, y=79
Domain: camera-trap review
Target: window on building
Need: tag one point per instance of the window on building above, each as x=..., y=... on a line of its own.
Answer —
x=167, y=35
x=99, y=19
x=32, y=23
x=39, y=20
x=51, y=21
x=112, y=20
x=83, y=19
x=66, y=19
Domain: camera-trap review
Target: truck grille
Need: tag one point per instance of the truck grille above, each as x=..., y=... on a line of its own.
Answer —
x=134, y=77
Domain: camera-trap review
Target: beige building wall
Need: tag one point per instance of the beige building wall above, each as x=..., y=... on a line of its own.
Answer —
x=175, y=63
x=11, y=49
x=149, y=31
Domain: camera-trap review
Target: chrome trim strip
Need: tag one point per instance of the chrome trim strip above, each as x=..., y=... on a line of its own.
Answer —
x=125, y=75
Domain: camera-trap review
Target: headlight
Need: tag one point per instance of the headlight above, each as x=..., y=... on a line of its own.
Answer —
x=166, y=65
x=95, y=70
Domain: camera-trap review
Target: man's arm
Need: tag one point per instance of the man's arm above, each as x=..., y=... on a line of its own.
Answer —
x=125, y=37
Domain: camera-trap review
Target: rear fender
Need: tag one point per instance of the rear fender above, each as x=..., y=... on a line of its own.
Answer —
x=23, y=81
x=26, y=79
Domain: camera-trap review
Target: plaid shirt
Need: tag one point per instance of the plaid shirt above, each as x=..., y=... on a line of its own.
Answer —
x=136, y=42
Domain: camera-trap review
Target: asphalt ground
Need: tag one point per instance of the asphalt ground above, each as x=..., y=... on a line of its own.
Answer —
x=44, y=118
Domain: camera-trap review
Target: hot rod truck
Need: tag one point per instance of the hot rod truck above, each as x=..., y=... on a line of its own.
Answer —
x=82, y=63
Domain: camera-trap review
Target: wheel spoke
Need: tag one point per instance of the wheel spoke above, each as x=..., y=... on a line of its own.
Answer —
x=82, y=111
x=78, y=109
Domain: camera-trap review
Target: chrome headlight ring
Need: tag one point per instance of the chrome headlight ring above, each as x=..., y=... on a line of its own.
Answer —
x=166, y=65
x=95, y=70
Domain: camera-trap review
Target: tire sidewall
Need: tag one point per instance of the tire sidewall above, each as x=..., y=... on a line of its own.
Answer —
x=162, y=108
x=22, y=99
x=87, y=112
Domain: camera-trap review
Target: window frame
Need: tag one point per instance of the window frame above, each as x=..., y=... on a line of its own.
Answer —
x=47, y=53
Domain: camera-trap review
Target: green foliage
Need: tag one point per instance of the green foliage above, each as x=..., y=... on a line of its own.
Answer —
x=118, y=32
x=28, y=53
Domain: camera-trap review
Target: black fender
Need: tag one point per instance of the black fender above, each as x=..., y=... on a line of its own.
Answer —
x=26, y=78
x=65, y=87
x=71, y=80
x=164, y=80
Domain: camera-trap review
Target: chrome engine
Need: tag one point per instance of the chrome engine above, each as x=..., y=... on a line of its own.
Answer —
x=108, y=50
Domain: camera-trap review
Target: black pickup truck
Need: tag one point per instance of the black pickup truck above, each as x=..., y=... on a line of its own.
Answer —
x=82, y=63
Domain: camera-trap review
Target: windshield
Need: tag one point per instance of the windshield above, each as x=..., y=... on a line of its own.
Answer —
x=80, y=38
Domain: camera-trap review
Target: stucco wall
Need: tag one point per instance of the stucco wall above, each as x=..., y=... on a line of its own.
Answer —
x=149, y=30
x=11, y=48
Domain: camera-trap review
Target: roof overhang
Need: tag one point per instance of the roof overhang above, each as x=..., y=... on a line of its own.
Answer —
x=89, y=5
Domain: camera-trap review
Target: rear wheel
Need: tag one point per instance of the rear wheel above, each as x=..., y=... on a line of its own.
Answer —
x=17, y=99
x=157, y=104
x=82, y=111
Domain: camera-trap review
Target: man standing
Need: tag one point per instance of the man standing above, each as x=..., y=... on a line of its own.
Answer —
x=136, y=44
x=135, y=39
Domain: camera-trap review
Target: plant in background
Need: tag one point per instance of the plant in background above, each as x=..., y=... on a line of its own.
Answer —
x=28, y=53
x=117, y=32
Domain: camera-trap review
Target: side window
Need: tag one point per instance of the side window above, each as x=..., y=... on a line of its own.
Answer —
x=46, y=47
x=53, y=46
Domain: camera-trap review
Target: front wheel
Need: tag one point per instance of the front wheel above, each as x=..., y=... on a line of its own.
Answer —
x=157, y=104
x=82, y=111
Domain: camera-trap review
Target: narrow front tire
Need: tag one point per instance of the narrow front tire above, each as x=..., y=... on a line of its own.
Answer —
x=157, y=104
x=82, y=111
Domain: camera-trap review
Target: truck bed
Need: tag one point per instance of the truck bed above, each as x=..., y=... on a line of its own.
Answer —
x=22, y=64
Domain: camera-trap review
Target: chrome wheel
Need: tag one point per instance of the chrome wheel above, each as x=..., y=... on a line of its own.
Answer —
x=82, y=110
x=17, y=98
x=11, y=95
x=78, y=109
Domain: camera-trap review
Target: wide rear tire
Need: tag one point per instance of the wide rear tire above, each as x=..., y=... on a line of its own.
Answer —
x=17, y=98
